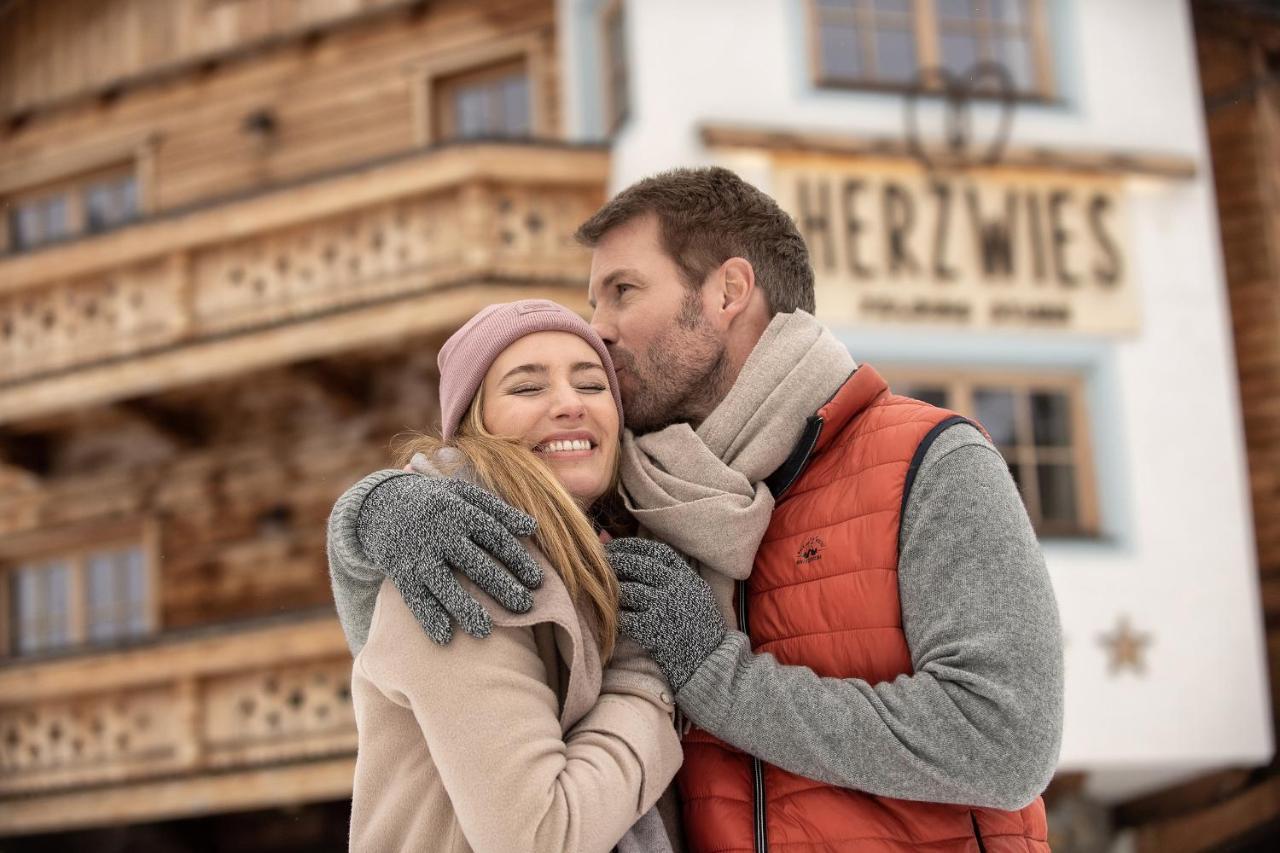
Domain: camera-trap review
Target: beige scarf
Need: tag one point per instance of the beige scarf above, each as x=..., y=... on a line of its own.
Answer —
x=702, y=492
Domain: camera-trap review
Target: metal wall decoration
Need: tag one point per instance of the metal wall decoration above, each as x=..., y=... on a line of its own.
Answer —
x=959, y=150
x=1126, y=648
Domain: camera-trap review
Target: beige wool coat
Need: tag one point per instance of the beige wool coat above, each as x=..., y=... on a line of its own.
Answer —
x=517, y=742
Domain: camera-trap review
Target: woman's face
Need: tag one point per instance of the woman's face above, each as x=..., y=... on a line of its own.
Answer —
x=549, y=391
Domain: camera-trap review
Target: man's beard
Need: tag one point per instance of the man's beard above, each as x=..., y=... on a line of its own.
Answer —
x=682, y=376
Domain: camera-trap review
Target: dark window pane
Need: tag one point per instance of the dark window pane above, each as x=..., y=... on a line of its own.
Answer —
x=1010, y=12
x=99, y=203
x=959, y=52
x=1015, y=56
x=110, y=203
x=841, y=59
x=136, y=587
x=958, y=10
x=617, y=47
x=103, y=597
x=994, y=410
x=496, y=107
x=136, y=570
x=116, y=594
x=60, y=578
x=1051, y=419
x=24, y=226
x=514, y=119
x=57, y=218
x=934, y=395
x=1019, y=480
x=895, y=55
x=25, y=608
x=1058, y=494
x=469, y=111
x=127, y=198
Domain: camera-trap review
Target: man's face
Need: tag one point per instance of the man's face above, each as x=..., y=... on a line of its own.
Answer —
x=671, y=363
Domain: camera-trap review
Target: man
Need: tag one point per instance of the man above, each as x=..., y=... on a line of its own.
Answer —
x=895, y=677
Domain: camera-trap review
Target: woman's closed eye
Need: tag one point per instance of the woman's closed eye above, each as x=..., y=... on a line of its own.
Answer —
x=529, y=390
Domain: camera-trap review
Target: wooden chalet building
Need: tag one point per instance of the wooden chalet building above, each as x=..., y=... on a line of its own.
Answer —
x=234, y=233
x=1238, y=48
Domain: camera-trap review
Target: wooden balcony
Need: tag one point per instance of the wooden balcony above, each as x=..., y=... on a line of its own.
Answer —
x=230, y=720
x=409, y=245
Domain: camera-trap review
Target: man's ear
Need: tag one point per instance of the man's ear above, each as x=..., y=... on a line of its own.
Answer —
x=739, y=280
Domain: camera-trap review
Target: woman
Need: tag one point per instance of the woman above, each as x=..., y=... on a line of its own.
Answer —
x=544, y=736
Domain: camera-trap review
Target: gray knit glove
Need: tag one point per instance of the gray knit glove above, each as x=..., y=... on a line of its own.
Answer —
x=419, y=530
x=666, y=607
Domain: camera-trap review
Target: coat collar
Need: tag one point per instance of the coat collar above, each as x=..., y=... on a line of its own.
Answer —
x=574, y=638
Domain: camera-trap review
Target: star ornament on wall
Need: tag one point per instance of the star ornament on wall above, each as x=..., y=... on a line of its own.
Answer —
x=1126, y=647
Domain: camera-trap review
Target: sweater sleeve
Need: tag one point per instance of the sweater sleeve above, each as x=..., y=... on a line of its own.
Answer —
x=492, y=727
x=354, y=578
x=979, y=721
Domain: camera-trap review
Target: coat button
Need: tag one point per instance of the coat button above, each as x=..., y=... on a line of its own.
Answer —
x=666, y=697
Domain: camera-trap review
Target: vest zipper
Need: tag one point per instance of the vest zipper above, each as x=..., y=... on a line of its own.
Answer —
x=977, y=833
x=757, y=768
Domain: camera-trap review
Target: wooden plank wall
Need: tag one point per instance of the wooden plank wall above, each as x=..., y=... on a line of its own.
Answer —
x=1235, y=808
x=239, y=480
x=1244, y=139
x=336, y=101
x=54, y=49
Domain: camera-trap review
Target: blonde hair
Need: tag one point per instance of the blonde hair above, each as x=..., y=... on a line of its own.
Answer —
x=565, y=534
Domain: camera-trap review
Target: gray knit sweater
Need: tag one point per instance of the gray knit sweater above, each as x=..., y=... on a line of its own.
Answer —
x=980, y=720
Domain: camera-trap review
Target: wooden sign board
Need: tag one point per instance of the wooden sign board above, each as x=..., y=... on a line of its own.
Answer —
x=984, y=248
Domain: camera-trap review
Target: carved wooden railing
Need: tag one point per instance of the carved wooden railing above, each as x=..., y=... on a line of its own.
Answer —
x=233, y=700
x=416, y=224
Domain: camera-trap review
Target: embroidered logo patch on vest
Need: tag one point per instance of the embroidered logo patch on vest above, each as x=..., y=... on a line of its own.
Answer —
x=811, y=550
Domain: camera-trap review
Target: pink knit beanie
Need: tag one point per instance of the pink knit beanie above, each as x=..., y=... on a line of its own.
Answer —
x=466, y=357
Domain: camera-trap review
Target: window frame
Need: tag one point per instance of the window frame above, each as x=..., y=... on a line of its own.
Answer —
x=75, y=547
x=424, y=78
x=446, y=88
x=75, y=190
x=960, y=385
x=929, y=52
x=614, y=68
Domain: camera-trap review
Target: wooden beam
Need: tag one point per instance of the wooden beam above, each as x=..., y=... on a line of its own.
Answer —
x=287, y=785
x=346, y=391
x=410, y=174
x=431, y=312
x=1170, y=166
x=235, y=649
x=1212, y=827
x=31, y=453
x=1182, y=799
x=186, y=429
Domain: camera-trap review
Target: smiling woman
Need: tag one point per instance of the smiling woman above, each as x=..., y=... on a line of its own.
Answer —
x=459, y=745
x=549, y=392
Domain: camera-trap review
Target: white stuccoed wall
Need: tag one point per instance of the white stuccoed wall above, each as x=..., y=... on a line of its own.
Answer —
x=1177, y=555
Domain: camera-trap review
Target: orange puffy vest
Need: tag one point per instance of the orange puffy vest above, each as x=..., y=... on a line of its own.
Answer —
x=833, y=538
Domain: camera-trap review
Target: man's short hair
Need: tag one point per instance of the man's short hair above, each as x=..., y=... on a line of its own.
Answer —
x=709, y=215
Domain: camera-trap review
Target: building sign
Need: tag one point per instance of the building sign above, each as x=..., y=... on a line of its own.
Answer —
x=989, y=248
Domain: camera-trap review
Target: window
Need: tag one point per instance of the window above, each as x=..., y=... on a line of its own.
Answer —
x=86, y=204
x=614, y=46
x=888, y=43
x=1038, y=424
x=39, y=220
x=96, y=596
x=494, y=102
